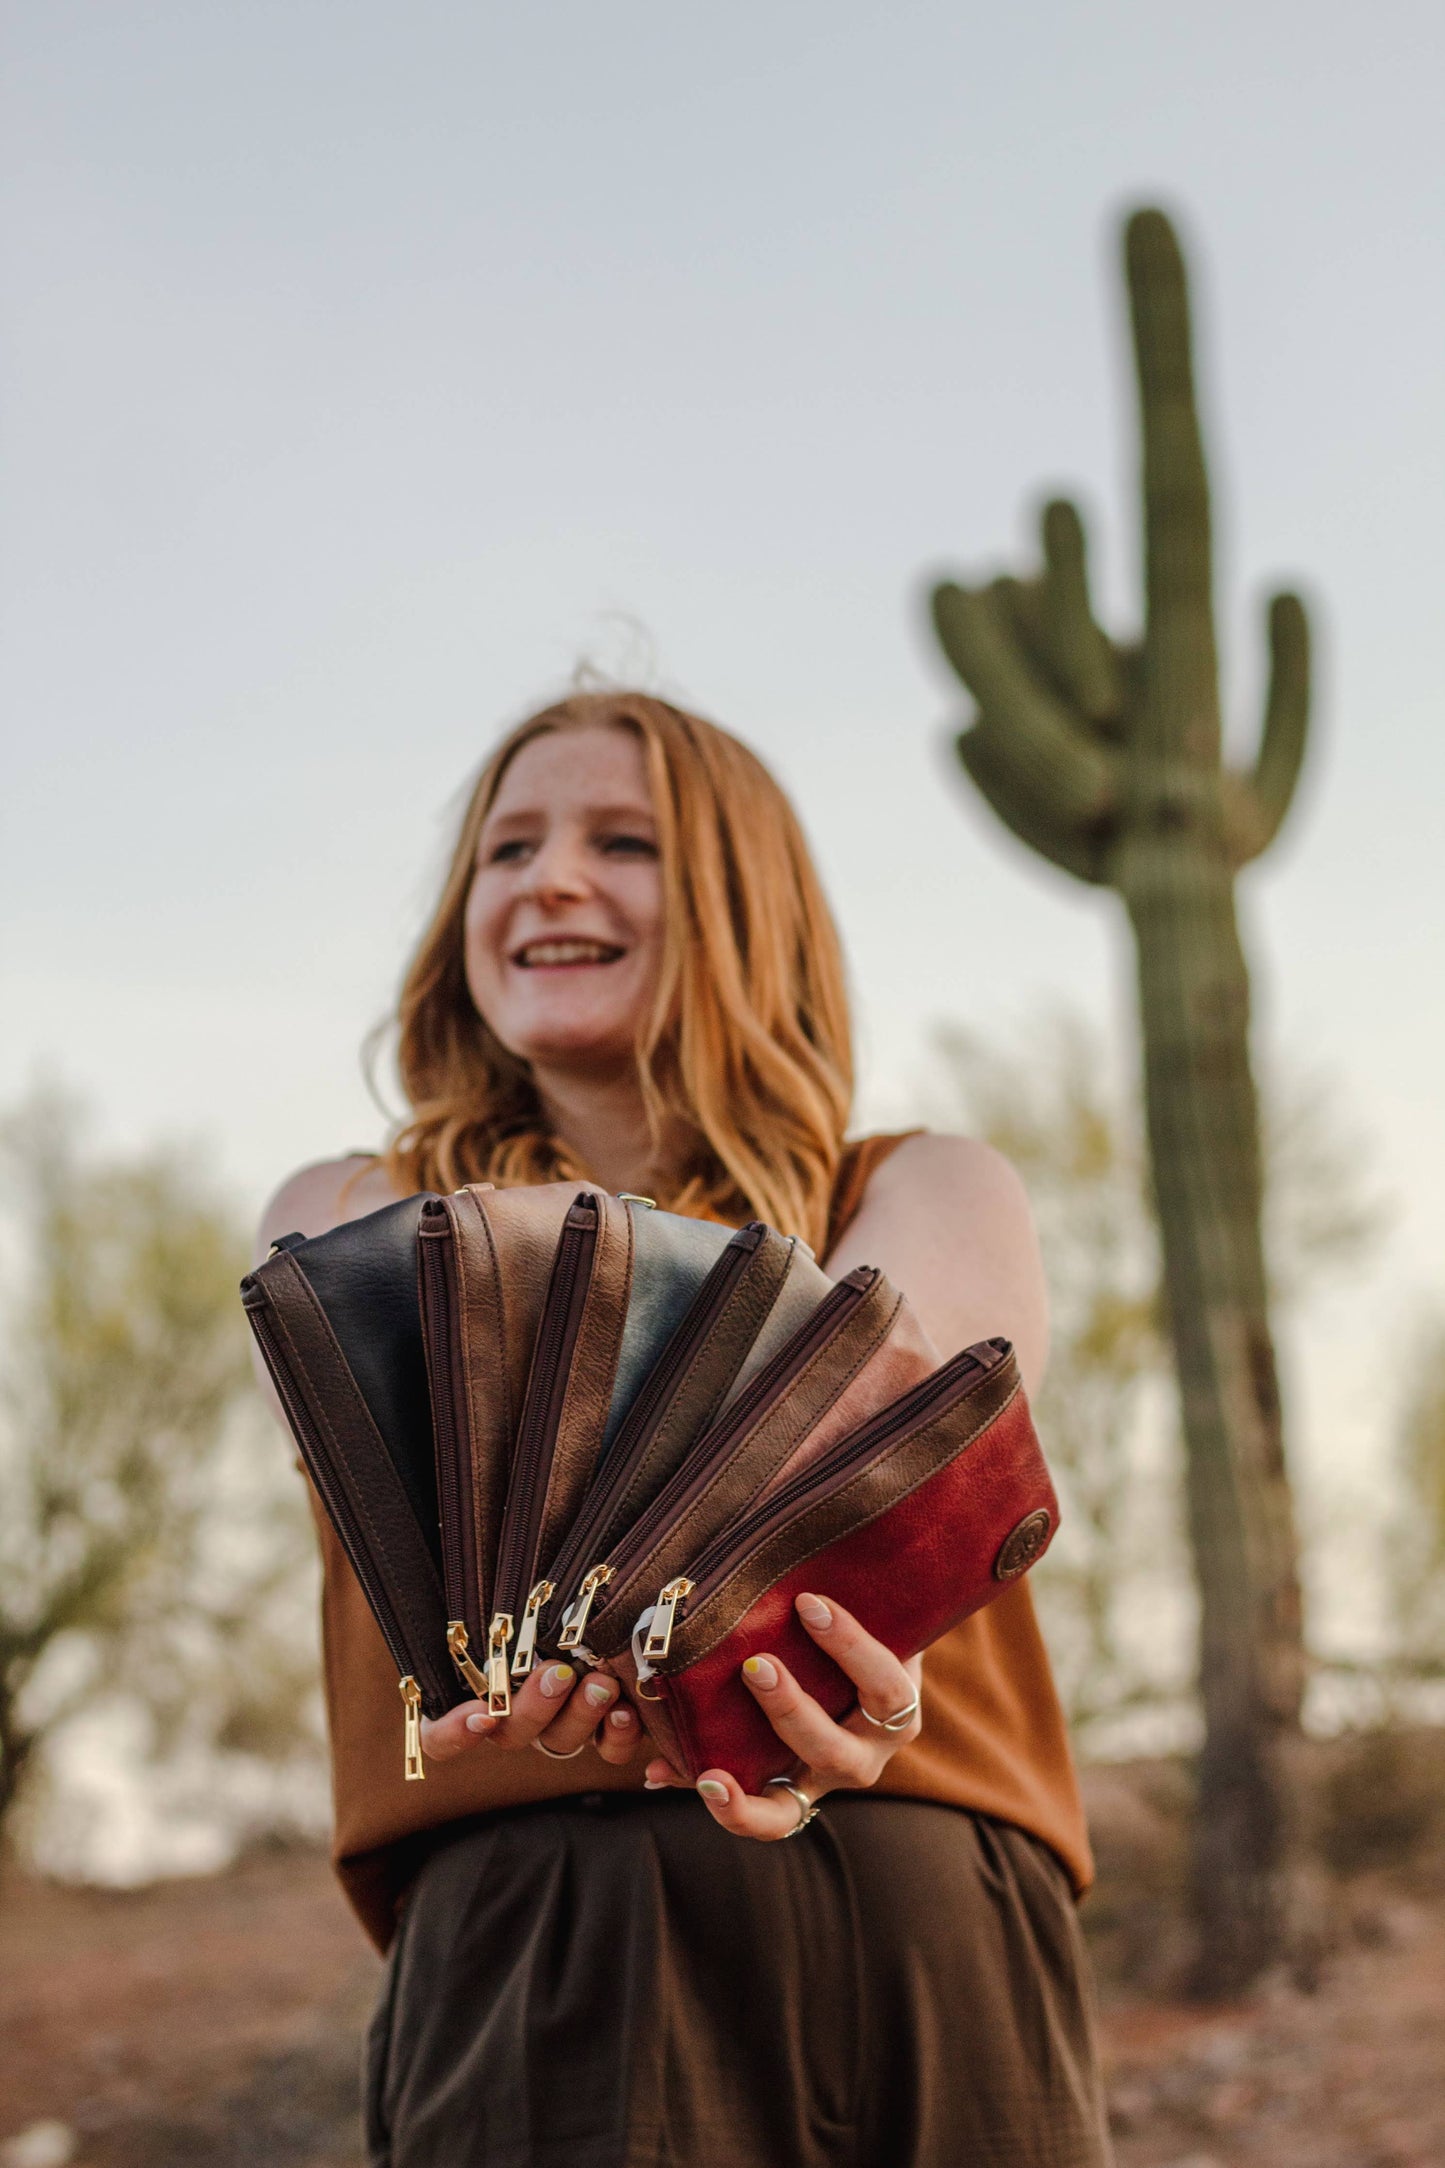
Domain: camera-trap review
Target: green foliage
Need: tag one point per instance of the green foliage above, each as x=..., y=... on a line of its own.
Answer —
x=152, y=1540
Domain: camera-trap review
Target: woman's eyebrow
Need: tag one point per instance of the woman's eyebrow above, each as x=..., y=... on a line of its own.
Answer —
x=524, y=816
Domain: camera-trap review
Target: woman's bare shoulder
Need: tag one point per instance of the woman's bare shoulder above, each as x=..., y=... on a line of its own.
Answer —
x=321, y=1196
x=948, y=1220
x=938, y=1173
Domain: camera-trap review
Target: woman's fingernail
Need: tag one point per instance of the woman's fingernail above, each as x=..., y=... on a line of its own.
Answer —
x=711, y=1789
x=760, y=1672
x=815, y=1612
x=598, y=1692
x=480, y=1721
x=556, y=1679
x=654, y=1784
x=621, y=1718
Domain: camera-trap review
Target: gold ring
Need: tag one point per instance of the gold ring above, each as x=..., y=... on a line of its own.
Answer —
x=807, y=1807
x=899, y=1721
x=552, y=1754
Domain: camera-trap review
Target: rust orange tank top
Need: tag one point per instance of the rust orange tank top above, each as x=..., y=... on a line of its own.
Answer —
x=993, y=1737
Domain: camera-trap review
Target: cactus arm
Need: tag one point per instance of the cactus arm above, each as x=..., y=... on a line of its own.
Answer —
x=1286, y=714
x=1068, y=779
x=1256, y=804
x=1076, y=851
x=1079, y=653
x=1182, y=708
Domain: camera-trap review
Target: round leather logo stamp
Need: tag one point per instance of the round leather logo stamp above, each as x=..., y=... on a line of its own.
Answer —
x=1022, y=1546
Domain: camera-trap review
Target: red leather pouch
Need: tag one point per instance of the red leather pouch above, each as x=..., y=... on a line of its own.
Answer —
x=913, y=1520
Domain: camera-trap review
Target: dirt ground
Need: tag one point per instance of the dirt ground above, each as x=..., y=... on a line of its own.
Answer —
x=218, y=2022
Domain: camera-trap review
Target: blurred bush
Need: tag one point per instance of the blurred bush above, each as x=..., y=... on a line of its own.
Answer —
x=1417, y=1551
x=155, y=1554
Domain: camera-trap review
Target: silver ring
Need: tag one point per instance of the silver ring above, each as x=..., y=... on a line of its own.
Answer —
x=807, y=1807
x=899, y=1721
x=552, y=1754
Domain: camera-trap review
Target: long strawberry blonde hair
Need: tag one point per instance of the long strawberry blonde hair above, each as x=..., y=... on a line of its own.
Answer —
x=747, y=1050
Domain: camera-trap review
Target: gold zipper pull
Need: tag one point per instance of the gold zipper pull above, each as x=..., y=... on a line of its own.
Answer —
x=571, y=1634
x=527, y=1632
x=664, y=1618
x=499, y=1694
x=411, y=1738
x=459, y=1642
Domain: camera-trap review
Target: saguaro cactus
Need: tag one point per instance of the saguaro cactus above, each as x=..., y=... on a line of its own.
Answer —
x=1106, y=757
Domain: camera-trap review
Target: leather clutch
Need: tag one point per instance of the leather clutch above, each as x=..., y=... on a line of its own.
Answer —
x=337, y=1320
x=549, y=1421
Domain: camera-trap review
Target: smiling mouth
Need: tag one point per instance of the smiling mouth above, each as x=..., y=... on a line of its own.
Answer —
x=557, y=954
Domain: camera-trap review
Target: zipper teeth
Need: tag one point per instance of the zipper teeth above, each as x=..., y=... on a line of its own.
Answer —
x=629, y=1447
x=453, y=1456
x=560, y=1323
x=952, y=1383
x=338, y=1505
x=771, y=1382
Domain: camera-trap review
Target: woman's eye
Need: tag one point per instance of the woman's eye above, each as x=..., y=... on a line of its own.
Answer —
x=629, y=846
x=509, y=853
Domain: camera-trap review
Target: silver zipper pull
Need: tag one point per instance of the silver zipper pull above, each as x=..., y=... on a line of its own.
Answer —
x=664, y=1618
x=571, y=1634
x=526, y=1648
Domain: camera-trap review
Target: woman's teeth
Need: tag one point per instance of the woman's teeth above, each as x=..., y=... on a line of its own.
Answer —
x=566, y=952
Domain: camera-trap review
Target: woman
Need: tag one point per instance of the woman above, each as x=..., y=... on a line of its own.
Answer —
x=632, y=976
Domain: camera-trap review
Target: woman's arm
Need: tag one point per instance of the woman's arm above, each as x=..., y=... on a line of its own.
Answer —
x=949, y=1222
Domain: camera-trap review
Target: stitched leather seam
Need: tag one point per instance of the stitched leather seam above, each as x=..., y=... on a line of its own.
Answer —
x=579, y=1427
x=672, y=1545
x=728, y=1342
x=360, y=1504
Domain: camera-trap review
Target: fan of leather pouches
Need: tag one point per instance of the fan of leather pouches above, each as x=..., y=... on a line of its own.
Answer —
x=548, y=1421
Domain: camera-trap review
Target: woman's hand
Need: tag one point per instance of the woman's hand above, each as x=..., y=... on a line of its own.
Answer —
x=834, y=1757
x=549, y=1707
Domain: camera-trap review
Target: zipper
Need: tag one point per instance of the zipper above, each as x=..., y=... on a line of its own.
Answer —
x=526, y=1648
x=453, y=1442
x=459, y=1641
x=629, y=1448
x=580, y=1609
x=931, y=1397
x=338, y=1505
x=413, y=1768
x=768, y=1387
x=499, y=1692
x=537, y=1440
x=664, y=1617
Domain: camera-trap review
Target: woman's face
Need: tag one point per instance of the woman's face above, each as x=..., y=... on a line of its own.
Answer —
x=563, y=924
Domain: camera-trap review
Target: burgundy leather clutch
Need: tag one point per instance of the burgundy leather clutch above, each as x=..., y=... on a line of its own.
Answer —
x=912, y=1521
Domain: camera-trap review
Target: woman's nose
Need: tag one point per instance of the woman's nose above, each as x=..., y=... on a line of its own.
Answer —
x=558, y=871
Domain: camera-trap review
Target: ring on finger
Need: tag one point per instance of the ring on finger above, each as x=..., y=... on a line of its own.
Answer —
x=898, y=1721
x=807, y=1807
x=552, y=1754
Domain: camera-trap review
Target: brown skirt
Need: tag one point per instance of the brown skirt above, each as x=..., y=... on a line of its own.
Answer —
x=614, y=1982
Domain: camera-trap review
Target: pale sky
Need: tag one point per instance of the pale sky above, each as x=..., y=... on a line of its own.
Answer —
x=368, y=366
